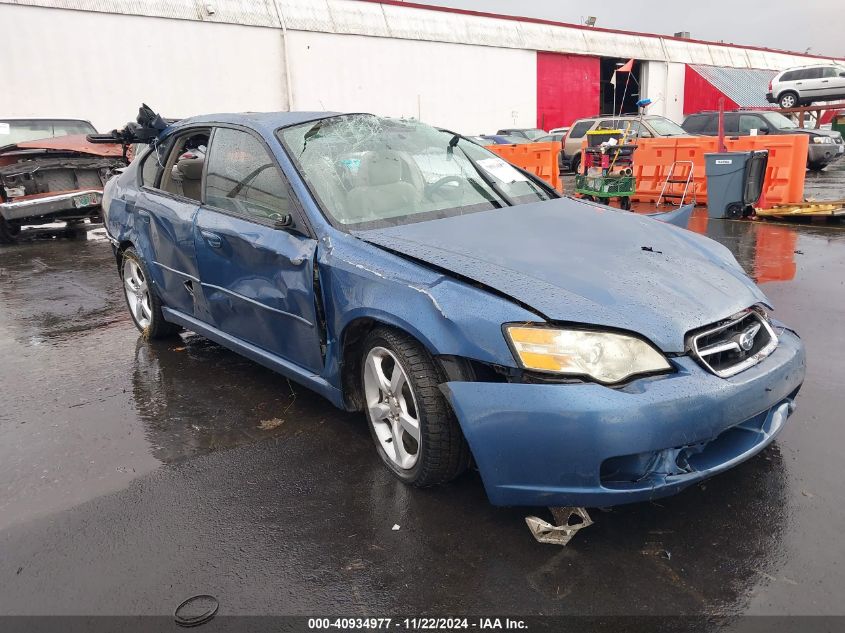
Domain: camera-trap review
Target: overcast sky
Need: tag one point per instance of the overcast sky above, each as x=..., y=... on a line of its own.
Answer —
x=818, y=24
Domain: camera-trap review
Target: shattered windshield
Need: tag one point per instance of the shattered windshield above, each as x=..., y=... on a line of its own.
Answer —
x=665, y=127
x=21, y=130
x=370, y=172
x=778, y=121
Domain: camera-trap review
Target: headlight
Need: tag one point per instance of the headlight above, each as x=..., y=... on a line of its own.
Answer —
x=605, y=356
x=822, y=139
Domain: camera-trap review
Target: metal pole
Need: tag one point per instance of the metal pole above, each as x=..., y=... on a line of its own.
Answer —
x=721, y=145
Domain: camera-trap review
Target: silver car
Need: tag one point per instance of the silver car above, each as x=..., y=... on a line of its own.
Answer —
x=647, y=126
x=804, y=85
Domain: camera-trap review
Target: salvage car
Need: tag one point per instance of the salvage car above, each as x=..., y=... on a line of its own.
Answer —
x=577, y=354
x=59, y=177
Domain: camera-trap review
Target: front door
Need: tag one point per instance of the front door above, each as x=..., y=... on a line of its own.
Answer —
x=257, y=277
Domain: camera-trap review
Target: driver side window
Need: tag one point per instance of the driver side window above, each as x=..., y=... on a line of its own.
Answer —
x=243, y=177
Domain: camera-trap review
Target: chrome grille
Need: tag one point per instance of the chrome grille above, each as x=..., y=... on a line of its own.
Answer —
x=735, y=344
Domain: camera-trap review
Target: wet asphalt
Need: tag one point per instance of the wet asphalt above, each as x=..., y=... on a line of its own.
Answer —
x=135, y=474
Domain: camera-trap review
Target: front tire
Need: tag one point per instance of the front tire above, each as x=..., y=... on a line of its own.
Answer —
x=141, y=299
x=816, y=166
x=576, y=163
x=416, y=434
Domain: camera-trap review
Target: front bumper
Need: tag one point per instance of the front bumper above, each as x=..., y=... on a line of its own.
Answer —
x=580, y=444
x=823, y=153
x=50, y=204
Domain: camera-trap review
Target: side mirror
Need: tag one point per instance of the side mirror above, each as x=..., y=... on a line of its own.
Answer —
x=282, y=221
x=842, y=74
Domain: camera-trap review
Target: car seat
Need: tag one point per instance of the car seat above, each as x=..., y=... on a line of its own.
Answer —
x=187, y=174
x=380, y=191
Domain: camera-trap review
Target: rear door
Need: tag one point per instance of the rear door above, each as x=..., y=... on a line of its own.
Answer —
x=164, y=210
x=257, y=277
x=811, y=86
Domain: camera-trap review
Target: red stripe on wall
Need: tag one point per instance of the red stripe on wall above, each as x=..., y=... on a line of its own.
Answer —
x=567, y=88
x=700, y=94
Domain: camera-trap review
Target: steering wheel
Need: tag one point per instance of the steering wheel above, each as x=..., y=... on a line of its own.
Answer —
x=437, y=187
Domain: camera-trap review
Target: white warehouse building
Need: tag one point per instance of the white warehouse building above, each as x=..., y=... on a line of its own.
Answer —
x=467, y=71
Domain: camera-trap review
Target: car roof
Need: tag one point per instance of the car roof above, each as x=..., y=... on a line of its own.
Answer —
x=820, y=64
x=266, y=121
x=601, y=117
x=43, y=118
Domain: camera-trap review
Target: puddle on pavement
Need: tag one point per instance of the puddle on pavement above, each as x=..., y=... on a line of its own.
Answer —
x=89, y=405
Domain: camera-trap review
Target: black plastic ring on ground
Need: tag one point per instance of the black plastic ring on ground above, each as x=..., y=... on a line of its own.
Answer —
x=202, y=618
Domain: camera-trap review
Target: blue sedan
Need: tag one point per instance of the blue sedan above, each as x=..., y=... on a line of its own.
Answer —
x=576, y=354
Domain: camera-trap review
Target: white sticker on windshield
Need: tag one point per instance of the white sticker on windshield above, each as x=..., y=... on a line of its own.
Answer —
x=4, y=128
x=502, y=170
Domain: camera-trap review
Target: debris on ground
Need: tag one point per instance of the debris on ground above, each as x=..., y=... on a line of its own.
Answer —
x=269, y=425
x=196, y=610
x=569, y=521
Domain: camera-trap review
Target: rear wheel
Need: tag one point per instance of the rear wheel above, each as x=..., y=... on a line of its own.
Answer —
x=144, y=306
x=576, y=163
x=816, y=166
x=415, y=432
x=788, y=100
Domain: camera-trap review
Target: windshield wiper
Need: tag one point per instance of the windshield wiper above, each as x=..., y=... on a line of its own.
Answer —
x=480, y=171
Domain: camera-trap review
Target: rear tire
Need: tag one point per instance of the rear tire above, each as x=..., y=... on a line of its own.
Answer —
x=788, y=100
x=816, y=166
x=141, y=299
x=8, y=232
x=400, y=406
x=576, y=163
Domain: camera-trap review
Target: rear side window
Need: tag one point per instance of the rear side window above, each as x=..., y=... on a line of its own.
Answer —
x=580, y=129
x=813, y=73
x=150, y=169
x=700, y=124
x=243, y=177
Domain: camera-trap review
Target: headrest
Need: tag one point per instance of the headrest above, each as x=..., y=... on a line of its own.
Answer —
x=381, y=168
x=190, y=166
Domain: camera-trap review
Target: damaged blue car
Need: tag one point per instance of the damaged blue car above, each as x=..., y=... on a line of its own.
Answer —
x=576, y=354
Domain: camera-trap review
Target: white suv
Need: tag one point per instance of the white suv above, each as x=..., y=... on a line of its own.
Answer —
x=806, y=84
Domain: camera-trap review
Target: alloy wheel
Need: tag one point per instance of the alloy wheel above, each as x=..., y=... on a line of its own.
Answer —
x=137, y=293
x=392, y=407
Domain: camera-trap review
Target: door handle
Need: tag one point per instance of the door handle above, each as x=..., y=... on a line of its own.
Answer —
x=213, y=240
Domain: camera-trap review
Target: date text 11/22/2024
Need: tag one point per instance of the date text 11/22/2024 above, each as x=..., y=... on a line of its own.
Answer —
x=416, y=624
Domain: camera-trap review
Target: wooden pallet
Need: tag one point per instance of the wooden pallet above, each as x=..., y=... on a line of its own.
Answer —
x=821, y=209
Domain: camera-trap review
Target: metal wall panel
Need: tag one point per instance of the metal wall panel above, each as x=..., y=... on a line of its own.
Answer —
x=376, y=20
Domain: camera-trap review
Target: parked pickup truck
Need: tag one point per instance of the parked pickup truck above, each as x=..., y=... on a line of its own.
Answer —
x=57, y=178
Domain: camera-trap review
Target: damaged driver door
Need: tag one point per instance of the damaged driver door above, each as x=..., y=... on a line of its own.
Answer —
x=256, y=267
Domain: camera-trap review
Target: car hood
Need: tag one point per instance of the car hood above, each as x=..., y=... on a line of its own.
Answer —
x=576, y=262
x=813, y=132
x=71, y=143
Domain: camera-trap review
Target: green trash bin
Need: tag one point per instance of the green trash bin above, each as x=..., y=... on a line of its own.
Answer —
x=838, y=122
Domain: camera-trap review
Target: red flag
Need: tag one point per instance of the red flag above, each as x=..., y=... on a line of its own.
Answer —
x=626, y=67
